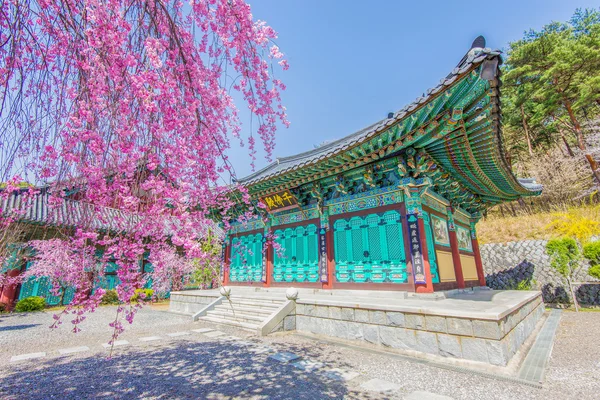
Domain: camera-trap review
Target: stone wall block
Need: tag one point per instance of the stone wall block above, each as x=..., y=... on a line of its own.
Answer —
x=377, y=317
x=335, y=312
x=474, y=349
x=300, y=308
x=289, y=323
x=347, y=314
x=459, y=326
x=427, y=342
x=497, y=351
x=371, y=333
x=355, y=331
x=309, y=309
x=322, y=311
x=487, y=329
x=395, y=319
x=435, y=323
x=449, y=345
x=414, y=321
x=361, y=315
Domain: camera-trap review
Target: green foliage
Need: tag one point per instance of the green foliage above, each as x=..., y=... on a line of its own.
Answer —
x=564, y=255
x=207, y=271
x=526, y=284
x=148, y=293
x=591, y=251
x=577, y=224
x=110, y=297
x=3, y=308
x=33, y=303
x=551, y=83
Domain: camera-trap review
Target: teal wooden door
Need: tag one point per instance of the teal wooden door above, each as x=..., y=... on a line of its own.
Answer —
x=433, y=267
x=246, y=258
x=298, y=259
x=42, y=287
x=370, y=249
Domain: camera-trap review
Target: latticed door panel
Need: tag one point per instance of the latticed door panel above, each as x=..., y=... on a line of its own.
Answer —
x=370, y=249
x=298, y=258
x=246, y=261
x=433, y=267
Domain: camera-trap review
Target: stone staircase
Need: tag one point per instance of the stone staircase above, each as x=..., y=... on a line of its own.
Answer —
x=245, y=312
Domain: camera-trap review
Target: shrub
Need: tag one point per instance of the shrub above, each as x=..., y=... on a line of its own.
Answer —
x=591, y=251
x=564, y=255
x=3, y=307
x=110, y=297
x=33, y=303
x=148, y=293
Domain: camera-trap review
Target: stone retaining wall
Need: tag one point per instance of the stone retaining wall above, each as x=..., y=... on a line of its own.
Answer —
x=508, y=264
x=189, y=304
x=488, y=341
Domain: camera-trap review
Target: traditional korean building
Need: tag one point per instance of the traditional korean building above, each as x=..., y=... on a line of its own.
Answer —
x=393, y=206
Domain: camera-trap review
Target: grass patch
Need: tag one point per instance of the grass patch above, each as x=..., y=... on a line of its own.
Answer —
x=539, y=226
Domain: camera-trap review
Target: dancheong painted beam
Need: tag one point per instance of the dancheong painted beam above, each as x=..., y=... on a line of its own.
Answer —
x=392, y=206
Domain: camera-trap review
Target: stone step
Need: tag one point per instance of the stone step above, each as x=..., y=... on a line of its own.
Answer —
x=265, y=312
x=242, y=325
x=236, y=316
x=259, y=299
x=255, y=304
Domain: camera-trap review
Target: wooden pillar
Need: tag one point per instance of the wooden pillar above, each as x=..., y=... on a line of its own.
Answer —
x=458, y=272
x=226, y=261
x=428, y=286
x=476, y=253
x=9, y=291
x=478, y=263
x=269, y=254
x=330, y=260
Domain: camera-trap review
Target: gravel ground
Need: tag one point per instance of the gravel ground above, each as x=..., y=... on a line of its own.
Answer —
x=195, y=366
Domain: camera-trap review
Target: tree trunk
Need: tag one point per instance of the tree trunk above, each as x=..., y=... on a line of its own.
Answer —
x=526, y=128
x=573, y=295
x=581, y=141
x=564, y=139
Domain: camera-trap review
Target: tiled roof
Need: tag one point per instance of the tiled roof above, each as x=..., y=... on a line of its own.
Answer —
x=35, y=209
x=286, y=164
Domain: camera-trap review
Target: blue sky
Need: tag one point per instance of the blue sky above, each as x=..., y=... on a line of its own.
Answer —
x=352, y=62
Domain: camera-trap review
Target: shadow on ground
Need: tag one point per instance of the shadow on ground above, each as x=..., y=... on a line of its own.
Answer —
x=191, y=370
x=17, y=327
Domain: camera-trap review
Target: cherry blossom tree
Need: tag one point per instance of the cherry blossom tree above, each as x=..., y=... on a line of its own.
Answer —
x=127, y=107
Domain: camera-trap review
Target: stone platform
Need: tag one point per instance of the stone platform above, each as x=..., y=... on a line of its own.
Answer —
x=479, y=324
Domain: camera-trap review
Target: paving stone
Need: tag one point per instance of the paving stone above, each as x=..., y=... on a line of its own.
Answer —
x=212, y=334
x=149, y=338
x=29, y=356
x=379, y=385
x=72, y=350
x=202, y=330
x=177, y=334
x=422, y=395
x=308, y=365
x=117, y=343
x=284, y=357
x=338, y=374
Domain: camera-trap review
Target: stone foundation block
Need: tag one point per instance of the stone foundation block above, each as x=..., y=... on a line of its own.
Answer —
x=414, y=321
x=377, y=317
x=347, y=314
x=474, y=349
x=487, y=329
x=459, y=326
x=322, y=312
x=335, y=313
x=449, y=345
x=497, y=351
x=426, y=342
x=435, y=324
x=395, y=319
x=361, y=315
x=371, y=333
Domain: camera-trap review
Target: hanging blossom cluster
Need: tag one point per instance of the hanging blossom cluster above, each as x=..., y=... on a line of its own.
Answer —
x=123, y=111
